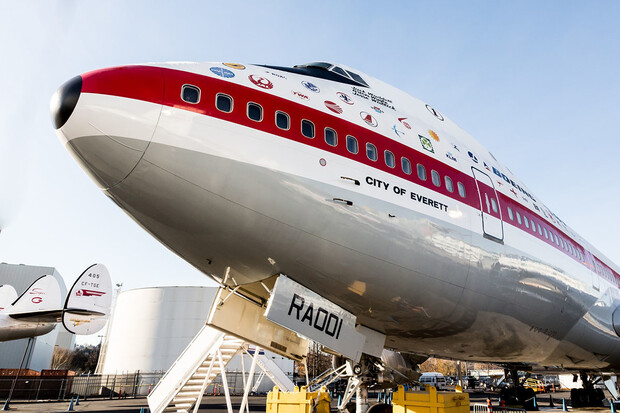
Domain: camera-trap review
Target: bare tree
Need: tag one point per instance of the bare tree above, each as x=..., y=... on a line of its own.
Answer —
x=61, y=358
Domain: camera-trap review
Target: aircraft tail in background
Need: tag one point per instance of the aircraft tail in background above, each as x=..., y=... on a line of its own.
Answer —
x=87, y=306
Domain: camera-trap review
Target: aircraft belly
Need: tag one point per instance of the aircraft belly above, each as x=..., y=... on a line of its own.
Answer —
x=255, y=206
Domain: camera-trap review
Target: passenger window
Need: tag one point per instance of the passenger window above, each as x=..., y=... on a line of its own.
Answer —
x=540, y=229
x=255, y=111
x=449, y=184
x=494, y=205
x=223, y=102
x=461, y=189
x=557, y=241
x=435, y=178
x=190, y=94
x=546, y=233
x=406, y=165
x=519, y=218
x=512, y=218
x=307, y=128
x=389, y=159
x=282, y=120
x=371, y=151
x=421, y=172
x=352, y=145
x=533, y=226
x=331, y=138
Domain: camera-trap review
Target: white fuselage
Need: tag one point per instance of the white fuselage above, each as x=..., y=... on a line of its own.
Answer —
x=448, y=273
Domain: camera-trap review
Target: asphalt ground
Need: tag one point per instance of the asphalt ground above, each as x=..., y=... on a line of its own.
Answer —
x=217, y=404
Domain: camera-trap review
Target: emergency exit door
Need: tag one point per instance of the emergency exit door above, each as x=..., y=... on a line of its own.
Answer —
x=492, y=225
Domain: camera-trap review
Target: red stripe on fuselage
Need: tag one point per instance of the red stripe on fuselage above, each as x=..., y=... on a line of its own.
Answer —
x=142, y=83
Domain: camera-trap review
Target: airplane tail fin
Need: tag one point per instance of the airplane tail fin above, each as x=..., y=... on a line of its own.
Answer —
x=7, y=296
x=87, y=306
x=42, y=295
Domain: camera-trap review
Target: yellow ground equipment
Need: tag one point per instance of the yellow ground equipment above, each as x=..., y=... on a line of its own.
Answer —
x=430, y=401
x=298, y=401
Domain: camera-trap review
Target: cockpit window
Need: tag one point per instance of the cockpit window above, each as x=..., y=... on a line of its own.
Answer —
x=325, y=70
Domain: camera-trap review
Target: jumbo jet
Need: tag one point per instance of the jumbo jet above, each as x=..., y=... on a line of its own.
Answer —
x=39, y=308
x=330, y=180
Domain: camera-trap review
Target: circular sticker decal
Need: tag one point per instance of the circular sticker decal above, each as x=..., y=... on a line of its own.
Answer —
x=234, y=65
x=311, y=86
x=261, y=81
x=433, y=135
x=333, y=107
x=222, y=72
x=345, y=98
x=434, y=112
x=369, y=119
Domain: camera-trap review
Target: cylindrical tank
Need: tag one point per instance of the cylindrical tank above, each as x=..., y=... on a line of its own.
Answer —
x=150, y=327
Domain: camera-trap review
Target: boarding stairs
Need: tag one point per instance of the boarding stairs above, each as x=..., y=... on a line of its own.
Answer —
x=182, y=387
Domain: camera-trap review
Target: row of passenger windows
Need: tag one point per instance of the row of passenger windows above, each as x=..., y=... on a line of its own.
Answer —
x=224, y=103
x=543, y=231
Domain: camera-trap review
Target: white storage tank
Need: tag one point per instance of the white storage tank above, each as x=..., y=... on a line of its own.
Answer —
x=150, y=327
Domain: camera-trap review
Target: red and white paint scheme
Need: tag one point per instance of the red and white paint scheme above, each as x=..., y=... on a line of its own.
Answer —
x=369, y=197
x=39, y=308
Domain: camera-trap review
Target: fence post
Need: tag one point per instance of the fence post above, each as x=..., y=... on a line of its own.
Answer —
x=113, y=386
x=60, y=389
x=87, y=381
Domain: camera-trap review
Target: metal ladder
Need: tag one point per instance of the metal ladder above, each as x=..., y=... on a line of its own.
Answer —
x=182, y=387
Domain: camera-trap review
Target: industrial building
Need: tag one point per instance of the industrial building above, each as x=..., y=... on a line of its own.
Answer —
x=150, y=327
x=39, y=356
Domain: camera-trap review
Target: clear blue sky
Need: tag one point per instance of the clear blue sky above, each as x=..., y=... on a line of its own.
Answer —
x=536, y=82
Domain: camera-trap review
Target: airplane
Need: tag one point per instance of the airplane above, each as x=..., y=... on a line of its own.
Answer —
x=39, y=308
x=370, y=201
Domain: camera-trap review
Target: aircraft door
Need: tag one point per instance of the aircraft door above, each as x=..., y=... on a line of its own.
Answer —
x=492, y=225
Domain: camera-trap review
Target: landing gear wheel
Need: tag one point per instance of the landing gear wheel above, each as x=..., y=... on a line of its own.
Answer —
x=357, y=369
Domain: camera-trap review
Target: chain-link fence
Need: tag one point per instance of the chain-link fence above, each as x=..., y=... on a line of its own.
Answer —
x=67, y=386
x=139, y=384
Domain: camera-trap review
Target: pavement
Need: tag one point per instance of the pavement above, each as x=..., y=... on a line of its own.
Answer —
x=217, y=404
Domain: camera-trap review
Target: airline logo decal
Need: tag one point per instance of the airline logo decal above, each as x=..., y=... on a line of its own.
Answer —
x=221, y=72
x=450, y=156
x=234, y=65
x=426, y=143
x=333, y=107
x=311, y=86
x=89, y=293
x=37, y=300
x=275, y=74
x=472, y=156
x=398, y=132
x=405, y=124
x=367, y=117
x=372, y=97
x=300, y=95
x=37, y=291
x=433, y=135
x=377, y=109
x=261, y=82
x=345, y=98
x=434, y=113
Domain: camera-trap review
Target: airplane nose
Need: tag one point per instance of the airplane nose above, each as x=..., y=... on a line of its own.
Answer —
x=64, y=101
x=106, y=119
